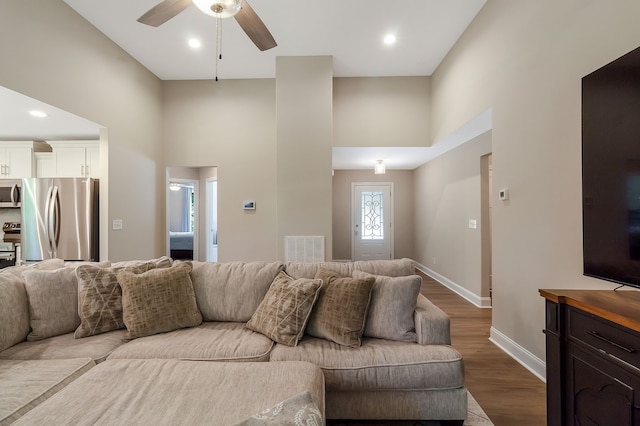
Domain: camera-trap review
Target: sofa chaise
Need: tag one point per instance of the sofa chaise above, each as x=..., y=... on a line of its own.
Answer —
x=366, y=343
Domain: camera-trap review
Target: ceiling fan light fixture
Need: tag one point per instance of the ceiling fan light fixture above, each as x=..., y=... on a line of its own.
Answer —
x=219, y=8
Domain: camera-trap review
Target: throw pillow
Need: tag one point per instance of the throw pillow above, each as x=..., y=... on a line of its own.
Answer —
x=341, y=310
x=393, y=303
x=100, y=298
x=297, y=410
x=158, y=301
x=45, y=265
x=283, y=313
x=53, y=302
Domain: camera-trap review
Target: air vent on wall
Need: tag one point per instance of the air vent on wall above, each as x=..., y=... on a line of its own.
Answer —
x=304, y=249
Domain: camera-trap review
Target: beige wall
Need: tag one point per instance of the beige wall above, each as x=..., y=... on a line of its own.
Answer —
x=230, y=124
x=525, y=60
x=304, y=93
x=403, y=214
x=52, y=54
x=447, y=196
x=381, y=111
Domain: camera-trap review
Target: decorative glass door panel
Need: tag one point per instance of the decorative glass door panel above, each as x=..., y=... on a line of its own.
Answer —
x=372, y=213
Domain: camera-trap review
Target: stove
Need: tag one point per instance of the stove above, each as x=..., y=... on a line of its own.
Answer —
x=11, y=232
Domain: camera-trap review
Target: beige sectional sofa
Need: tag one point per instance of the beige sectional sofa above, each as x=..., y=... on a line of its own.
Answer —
x=396, y=364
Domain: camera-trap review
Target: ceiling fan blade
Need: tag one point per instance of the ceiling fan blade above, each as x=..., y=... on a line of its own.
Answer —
x=257, y=31
x=163, y=11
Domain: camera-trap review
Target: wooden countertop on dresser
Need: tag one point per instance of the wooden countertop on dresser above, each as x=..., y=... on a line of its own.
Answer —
x=621, y=307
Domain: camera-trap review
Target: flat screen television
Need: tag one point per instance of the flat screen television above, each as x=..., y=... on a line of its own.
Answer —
x=611, y=171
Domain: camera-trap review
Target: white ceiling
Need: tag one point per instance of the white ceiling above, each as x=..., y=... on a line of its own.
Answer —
x=349, y=31
x=16, y=124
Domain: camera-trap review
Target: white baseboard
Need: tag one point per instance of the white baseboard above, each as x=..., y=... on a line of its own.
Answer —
x=528, y=360
x=480, y=302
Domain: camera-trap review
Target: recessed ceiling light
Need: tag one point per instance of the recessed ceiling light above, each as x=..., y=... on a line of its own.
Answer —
x=39, y=114
x=195, y=43
x=389, y=39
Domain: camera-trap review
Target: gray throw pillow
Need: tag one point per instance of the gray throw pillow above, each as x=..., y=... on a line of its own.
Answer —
x=53, y=302
x=393, y=303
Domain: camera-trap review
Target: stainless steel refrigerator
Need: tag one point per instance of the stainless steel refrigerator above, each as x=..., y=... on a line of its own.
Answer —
x=59, y=219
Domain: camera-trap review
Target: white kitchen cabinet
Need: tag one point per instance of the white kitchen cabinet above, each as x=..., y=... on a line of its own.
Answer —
x=45, y=164
x=75, y=159
x=17, y=158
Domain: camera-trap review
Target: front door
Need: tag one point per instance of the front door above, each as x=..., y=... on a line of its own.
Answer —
x=372, y=215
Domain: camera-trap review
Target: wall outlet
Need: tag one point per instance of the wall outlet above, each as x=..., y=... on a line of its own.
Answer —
x=117, y=224
x=503, y=194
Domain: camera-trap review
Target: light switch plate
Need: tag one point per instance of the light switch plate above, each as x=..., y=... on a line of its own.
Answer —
x=117, y=224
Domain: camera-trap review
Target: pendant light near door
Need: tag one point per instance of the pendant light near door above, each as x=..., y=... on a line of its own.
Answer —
x=380, y=168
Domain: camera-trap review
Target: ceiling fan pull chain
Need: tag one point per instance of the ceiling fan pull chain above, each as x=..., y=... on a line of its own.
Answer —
x=218, y=42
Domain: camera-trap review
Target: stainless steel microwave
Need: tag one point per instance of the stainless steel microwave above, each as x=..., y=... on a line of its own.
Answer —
x=10, y=193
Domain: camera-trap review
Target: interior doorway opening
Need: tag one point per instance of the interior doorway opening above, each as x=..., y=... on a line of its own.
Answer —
x=192, y=213
x=486, y=206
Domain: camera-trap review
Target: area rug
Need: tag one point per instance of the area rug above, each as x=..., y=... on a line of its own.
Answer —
x=475, y=417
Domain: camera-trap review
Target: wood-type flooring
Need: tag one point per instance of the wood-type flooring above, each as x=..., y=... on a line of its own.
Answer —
x=508, y=393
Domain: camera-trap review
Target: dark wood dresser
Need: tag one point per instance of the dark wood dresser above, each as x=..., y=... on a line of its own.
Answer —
x=593, y=357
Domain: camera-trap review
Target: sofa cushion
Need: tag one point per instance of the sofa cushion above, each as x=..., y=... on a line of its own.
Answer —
x=297, y=410
x=389, y=268
x=158, y=300
x=44, y=265
x=14, y=310
x=176, y=392
x=341, y=309
x=211, y=341
x=160, y=262
x=66, y=346
x=27, y=383
x=283, y=314
x=231, y=291
x=100, y=298
x=309, y=270
x=378, y=364
x=53, y=302
x=393, y=304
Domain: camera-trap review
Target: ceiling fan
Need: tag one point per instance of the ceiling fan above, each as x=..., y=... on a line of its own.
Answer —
x=248, y=19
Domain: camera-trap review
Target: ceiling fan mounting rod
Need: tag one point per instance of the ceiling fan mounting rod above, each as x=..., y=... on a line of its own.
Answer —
x=217, y=8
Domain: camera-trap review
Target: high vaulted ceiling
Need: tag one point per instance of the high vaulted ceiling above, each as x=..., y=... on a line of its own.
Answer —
x=349, y=31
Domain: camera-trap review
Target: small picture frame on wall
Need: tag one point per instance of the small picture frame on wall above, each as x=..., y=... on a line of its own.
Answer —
x=248, y=205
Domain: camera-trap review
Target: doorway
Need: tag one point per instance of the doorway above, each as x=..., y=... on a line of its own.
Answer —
x=182, y=218
x=372, y=218
x=212, y=220
x=486, y=206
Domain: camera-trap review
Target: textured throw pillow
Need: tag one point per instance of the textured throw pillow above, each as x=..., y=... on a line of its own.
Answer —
x=100, y=298
x=158, y=301
x=297, y=410
x=283, y=313
x=53, y=302
x=340, y=313
x=393, y=302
